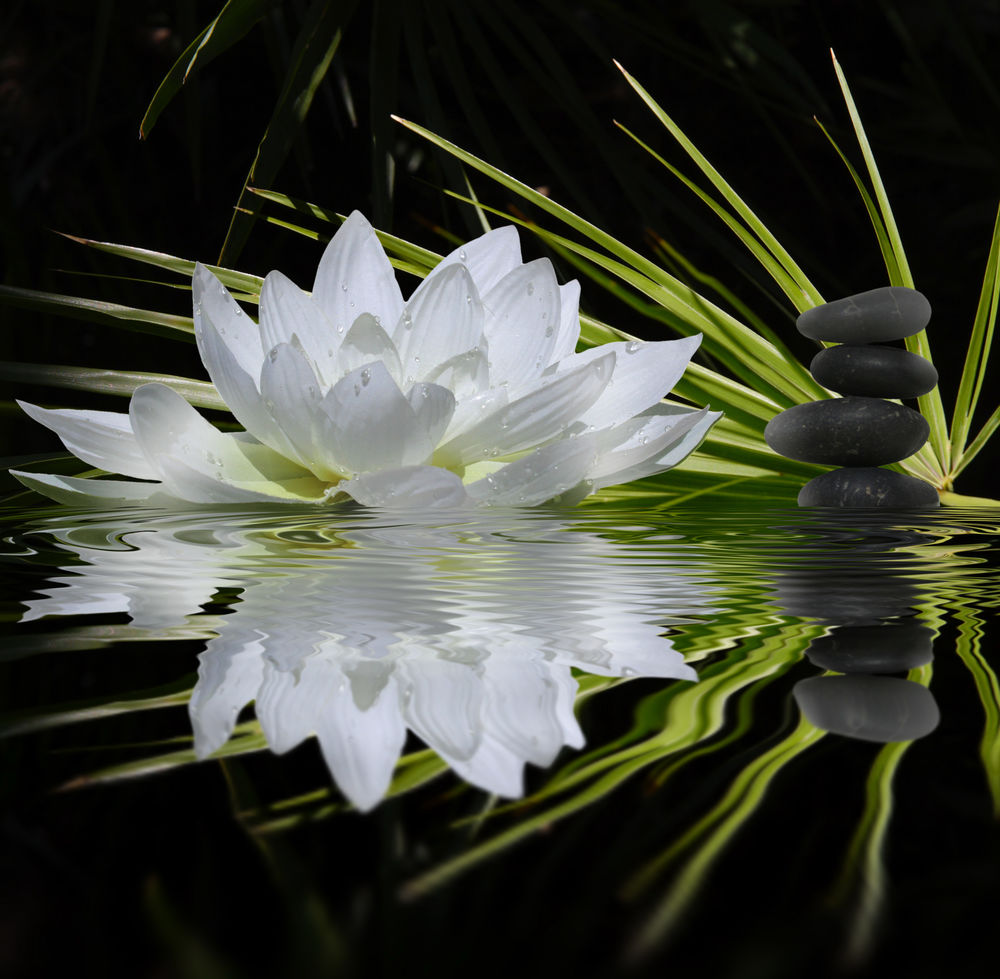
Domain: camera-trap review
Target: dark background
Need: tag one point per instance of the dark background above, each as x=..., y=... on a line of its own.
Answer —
x=528, y=86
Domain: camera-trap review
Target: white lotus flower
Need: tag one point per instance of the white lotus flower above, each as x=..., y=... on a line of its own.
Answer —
x=463, y=631
x=471, y=390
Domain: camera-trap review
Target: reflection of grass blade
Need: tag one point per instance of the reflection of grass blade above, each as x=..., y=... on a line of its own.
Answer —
x=861, y=884
x=676, y=719
x=968, y=647
x=246, y=738
x=172, y=695
x=710, y=836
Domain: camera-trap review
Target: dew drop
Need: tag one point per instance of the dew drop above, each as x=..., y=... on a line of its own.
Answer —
x=463, y=256
x=632, y=346
x=366, y=376
x=531, y=288
x=549, y=331
x=343, y=287
x=468, y=300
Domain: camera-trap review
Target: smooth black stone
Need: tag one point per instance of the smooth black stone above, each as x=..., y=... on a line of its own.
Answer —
x=894, y=647
x=848, y=431
x=889, y=313
x=868, y=487
x=869, y=708
x=874, y=371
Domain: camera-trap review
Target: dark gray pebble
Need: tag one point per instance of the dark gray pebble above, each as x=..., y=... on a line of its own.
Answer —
x=874, y=371
x=893, y=647
x=869, y=708
x=889, y=313
x=868, y=487
x=848, y=431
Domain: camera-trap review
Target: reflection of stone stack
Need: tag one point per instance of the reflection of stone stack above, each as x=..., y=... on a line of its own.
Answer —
x=861, y=431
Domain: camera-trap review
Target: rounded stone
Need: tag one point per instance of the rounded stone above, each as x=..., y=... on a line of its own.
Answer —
x=893, y=647
x=889, y=313
x=865, y=487
x=874, y=371
x=849, y=431
x=869, y=708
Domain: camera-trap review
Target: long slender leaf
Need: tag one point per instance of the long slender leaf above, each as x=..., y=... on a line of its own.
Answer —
x=144, y=320
x=977, y=355
x=314, y=49
x=227, y=27
x=124, y=383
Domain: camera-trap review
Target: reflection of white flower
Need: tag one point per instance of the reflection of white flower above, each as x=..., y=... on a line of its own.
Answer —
x=471, y=389
x=465, y=634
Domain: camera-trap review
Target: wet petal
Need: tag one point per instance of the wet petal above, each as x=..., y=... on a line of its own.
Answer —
x=93, y=492
x=413, y=487
x=217, y=312
x=355, y=277
x=102, y=438
x=644, y=373
x=373, y=425
x=364, y=343
x=569, y=321
x=434, y=406
x=543, y=413
x=285, y=312
x=488, y=258
x=522, y=320
x=444, y=317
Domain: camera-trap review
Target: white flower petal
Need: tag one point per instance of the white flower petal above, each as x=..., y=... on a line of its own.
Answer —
x=544, y=412
x=285, y=312
x=434, y=406
x=488, y=258
x=569, y=321
x=539, y=476
x=200, y=464
x=466, y=374
x=444, y=317
x=102, y=438
x=411, y=487
x=672, y=447
x=374, y=426
x=522, y=320
x=355, y=277
x=215, y=310
x=365, y=342
x=92, y=492
x=361, y=747
x=644, y=373
x=292, y=396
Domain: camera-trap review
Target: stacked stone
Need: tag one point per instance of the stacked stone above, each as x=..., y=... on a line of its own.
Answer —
x=861, y=431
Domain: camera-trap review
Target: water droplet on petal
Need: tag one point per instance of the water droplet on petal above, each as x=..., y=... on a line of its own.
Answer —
x=366, y=376
x=549, y=331
x=632, y=346
x=468, y=300
x=463, y=256
x=343, y=287
x=531, y=288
